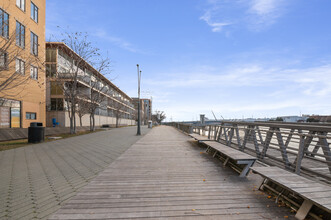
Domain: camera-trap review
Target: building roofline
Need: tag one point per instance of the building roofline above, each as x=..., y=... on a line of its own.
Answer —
x=58, y=44
x=141, y=98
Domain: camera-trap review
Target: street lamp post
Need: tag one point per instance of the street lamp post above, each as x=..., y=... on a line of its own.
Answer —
x=139, y=77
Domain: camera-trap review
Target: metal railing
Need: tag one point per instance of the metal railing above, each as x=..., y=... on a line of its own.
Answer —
x=297, y=147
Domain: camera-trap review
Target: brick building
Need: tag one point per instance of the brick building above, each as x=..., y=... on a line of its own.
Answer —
x=22, y=54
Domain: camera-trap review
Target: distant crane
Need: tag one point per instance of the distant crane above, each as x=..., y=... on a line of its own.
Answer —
x=215, y=116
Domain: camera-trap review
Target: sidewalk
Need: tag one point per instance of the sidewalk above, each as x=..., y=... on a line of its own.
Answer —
x=165, y=175
x=35, y=180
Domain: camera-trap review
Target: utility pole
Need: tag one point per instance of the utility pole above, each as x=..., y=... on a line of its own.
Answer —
x=139, y=77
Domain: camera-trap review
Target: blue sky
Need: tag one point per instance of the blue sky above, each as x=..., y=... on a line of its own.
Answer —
x=239, y=58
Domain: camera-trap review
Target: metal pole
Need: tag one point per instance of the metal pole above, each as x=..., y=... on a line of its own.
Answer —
x=139, y=76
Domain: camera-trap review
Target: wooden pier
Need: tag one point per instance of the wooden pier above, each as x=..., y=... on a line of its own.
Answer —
x=167, y=175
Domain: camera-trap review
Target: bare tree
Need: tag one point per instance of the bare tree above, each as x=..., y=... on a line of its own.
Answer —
x=118, y=110
x=97, y=100
x=158, y=116
x=99, y=89
x=14, y=61
x=77, y=59
x=82, y=108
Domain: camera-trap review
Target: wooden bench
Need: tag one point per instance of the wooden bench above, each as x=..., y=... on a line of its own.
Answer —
x=309, y=192
x=199, y=138
x=242, y=160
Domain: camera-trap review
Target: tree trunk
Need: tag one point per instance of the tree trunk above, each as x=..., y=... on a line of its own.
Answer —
x=93, y=123
x=72, y=128
x=70, y=118
x=91, y=127
x=74, y=122
x=73, y=114
x=80, y=120
x=72, y=131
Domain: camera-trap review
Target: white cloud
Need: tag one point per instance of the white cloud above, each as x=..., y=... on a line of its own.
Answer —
x=245, y=75
x=253, y=14
x=264, y=7
x=263, y=13
x=246, y=89
x=216, y=26
x=117, y=41
x=250, y=75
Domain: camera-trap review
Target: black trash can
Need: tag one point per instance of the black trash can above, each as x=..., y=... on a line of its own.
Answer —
x=36, y=132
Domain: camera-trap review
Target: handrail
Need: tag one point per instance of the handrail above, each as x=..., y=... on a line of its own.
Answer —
x=304, y=126
x=297, y=147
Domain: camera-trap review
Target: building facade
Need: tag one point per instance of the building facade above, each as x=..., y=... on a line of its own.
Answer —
x=22, y=56
x=135, y=104
x=145, y=109
x=113, y=104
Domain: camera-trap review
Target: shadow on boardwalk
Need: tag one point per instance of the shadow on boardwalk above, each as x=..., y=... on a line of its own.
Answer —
x=36, y=179
x=165, y=175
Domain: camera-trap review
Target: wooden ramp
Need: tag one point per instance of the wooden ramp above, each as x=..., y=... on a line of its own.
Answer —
x=166, y=176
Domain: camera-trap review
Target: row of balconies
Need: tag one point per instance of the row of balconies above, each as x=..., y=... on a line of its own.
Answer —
x=112, y=113
x=107, y=93
x=58, y=104
x=87, y=80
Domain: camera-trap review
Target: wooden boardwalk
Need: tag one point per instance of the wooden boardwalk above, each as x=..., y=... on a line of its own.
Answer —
x=165, y=175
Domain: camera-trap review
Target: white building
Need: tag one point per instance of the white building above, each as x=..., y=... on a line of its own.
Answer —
x=114, y=103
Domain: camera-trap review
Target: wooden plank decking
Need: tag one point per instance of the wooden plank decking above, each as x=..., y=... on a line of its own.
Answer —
x=165, y=175
x=318, y=193
x=199, y=137
x=231, y=152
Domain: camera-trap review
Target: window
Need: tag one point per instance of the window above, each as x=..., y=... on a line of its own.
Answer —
x=34, y=12
x=21, y=4
x=31, y=115
x=10, y=115
x=3, y=60
x=20, y=34
x=51, y=55
x=4, y=24
x=34, y=44
x=56, y=89
x=50, y=70
x=34, y=72
x=4, y=116
x=15, y=117
x=20, y=66
x=57, y=104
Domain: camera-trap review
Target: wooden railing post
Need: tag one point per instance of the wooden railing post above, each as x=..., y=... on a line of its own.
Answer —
x=298, y=160
x=282, y=148
x=267, y=142
x=326, y=149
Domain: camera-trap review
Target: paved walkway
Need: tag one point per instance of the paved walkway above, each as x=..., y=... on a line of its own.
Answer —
x=35, y=180
x=165, y=175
